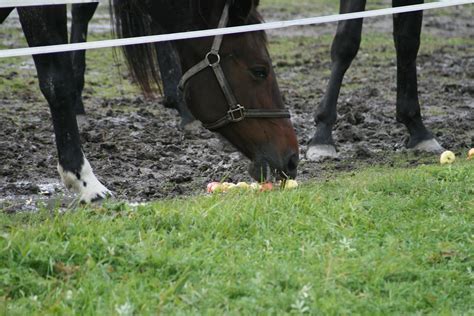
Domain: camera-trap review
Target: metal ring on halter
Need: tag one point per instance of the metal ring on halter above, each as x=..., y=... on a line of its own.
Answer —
x=236, y=114
x=213, y=54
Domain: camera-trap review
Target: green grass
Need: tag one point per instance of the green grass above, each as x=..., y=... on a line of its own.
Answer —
x=380, y=241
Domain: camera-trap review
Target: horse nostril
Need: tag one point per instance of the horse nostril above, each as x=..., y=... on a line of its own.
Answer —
x=293, y=163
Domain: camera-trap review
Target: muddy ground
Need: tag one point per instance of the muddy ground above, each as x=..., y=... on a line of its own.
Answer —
x=140, y=153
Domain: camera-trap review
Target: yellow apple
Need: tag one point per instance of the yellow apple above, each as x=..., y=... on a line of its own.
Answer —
x=290, y=184
x=255, y=186
x=447, y=157
x=242, y=185
x=228, y=186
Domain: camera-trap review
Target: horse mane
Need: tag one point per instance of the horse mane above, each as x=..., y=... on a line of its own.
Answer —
x=130, y=18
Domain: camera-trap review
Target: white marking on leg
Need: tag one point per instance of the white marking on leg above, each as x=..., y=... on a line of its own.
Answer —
x=318, y=152
x=430, y=145
x=85, y=184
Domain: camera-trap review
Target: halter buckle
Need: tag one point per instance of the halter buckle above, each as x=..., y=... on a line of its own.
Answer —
x=236, y=114
x=213, y=55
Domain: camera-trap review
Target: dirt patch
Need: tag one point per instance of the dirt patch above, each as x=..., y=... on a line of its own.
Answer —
x=138, y=151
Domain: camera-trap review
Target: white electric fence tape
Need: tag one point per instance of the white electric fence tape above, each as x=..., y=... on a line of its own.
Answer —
x=29, y=3
x=225, y=31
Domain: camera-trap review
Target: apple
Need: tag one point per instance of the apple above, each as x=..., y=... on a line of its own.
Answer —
x=267, y=186
x=470, y=154
x=290, y=184
x=228, y=186
x=220, y=188
x=447, y=157
x=217, y=187
x=243, y=185
x=212, y=186
x=255, y=186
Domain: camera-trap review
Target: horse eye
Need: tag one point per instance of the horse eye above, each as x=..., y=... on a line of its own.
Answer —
x=259, y=72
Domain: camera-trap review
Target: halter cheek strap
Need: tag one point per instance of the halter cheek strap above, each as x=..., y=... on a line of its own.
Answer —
x=236, y=112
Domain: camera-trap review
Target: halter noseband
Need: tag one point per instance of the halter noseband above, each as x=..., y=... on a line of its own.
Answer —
x=236, y=112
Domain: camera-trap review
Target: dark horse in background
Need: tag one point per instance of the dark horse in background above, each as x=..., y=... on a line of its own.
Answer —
x=406, y=34
x=229, y=83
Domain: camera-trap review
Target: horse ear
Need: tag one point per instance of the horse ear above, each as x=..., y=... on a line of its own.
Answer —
x=240, y=10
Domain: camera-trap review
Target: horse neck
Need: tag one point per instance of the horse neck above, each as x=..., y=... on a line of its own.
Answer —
x=184, y=15
x=172, y=16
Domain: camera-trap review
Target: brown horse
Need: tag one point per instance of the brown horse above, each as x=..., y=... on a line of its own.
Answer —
x=229, y=82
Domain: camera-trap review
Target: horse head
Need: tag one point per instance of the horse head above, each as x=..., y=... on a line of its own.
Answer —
x=229, y=83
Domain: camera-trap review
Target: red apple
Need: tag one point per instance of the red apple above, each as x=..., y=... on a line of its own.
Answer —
x=267, y=186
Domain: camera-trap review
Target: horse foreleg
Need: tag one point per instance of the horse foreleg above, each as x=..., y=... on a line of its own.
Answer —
x=171, y=73
x=343, y=51
x=81, y=15
x=47, y=26
x=406, y=34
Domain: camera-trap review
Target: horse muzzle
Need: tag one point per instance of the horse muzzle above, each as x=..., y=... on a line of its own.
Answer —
x=265, y=169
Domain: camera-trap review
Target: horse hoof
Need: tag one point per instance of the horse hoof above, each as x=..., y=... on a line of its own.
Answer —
x=84, y=184
x=191, y=128
x=189, y=124
x=97, y=194
x=90, y=197
x=430, y=146
x=318, y=152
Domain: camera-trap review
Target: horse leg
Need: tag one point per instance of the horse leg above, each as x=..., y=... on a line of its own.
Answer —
x=406, y=34
x=171, y=73
x=4, y=12
x=81, y=15
x=47, y=26
x=343, y=51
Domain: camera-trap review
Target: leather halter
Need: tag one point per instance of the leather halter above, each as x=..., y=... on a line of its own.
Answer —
x=236, y=112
